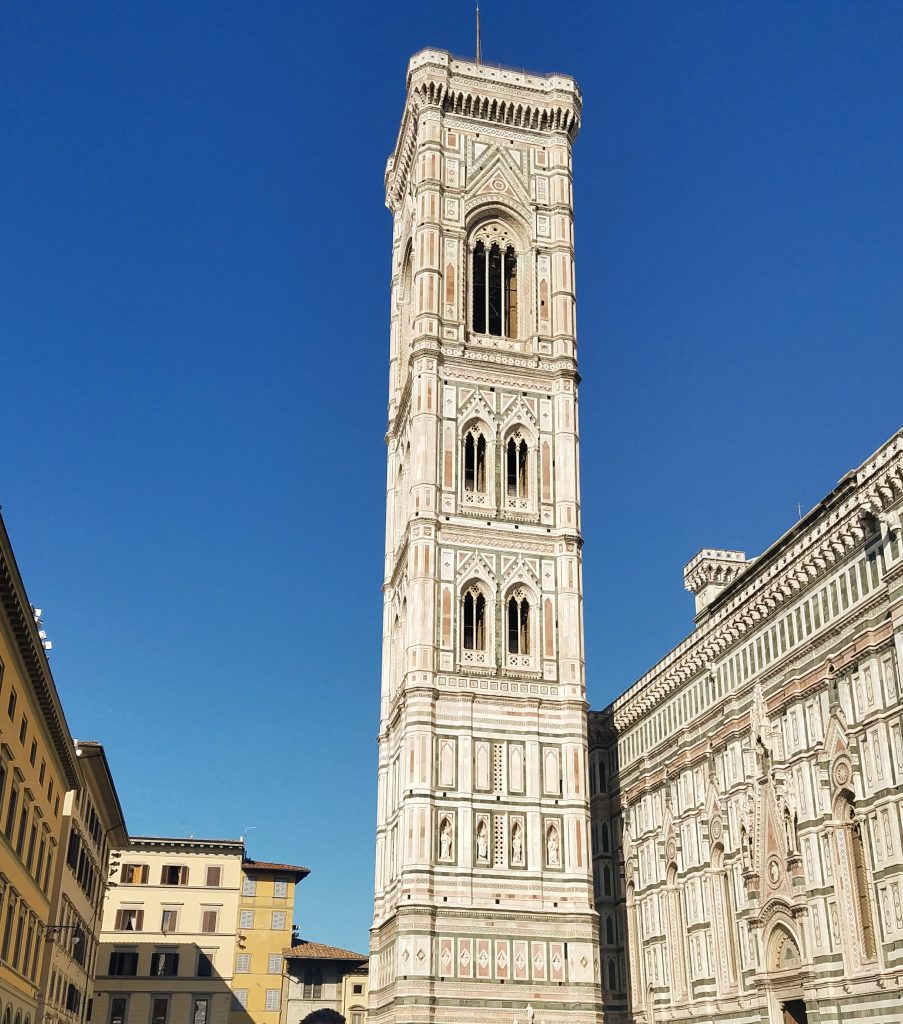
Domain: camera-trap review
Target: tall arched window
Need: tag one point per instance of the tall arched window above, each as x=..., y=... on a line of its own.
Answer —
x=475, y=461
x=474, y=620
x=518, y=623
x=494, y=290
x=516, y=466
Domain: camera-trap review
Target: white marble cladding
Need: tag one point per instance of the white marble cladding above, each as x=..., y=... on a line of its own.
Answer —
x=747, y=812
x=483, y=870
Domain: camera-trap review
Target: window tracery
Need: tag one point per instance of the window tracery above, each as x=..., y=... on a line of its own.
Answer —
x=518, y=629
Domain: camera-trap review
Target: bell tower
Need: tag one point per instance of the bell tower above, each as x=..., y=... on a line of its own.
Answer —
x=483, y=904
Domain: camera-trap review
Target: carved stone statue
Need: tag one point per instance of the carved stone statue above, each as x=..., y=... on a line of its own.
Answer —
x=552, y=847
x=482, y=841
x=445, y=840
x=517, y=845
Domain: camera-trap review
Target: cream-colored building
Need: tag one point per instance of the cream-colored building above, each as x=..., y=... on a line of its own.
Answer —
x=37, y=767
x=322, y=977
x=92, y=822
x=483, y=902
x=168, y=946
x=194, y=932
x=748, y=789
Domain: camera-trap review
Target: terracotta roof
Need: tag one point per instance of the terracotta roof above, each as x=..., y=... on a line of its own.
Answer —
x=265, y=865
x=306, y=950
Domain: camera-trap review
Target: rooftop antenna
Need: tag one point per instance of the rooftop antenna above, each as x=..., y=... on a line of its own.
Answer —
x=479, y=48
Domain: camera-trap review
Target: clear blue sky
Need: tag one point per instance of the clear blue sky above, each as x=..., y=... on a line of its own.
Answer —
x=194, y=274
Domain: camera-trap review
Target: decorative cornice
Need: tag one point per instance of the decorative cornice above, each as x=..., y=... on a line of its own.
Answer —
x=811, y=550
x=486, y=93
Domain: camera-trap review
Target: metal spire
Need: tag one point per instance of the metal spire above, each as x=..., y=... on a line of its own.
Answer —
x=479, y=48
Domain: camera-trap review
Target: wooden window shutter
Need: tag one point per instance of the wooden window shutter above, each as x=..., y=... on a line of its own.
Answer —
x=139, y=921
x=183, y=875
x=145, y=873
x=208, y=921
x=120, y=920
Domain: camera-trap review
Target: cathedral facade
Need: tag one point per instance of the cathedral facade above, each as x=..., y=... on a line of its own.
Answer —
x=747, y=800
x=724, y=841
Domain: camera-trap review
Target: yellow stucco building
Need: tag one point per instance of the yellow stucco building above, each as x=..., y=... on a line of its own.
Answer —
x=264, y=931
x=37, y=767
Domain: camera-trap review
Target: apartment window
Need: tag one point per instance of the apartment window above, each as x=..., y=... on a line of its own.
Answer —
x=274, y=963
x=23, y=729
x=164, y=964
x=11, y=705
x=246, y=920
x=205, y=963
x=313, y=983
x=214, y=876
x=159, y=1010
x=278, y=919
x=117, y=1010
x=272, y=1002
x=23, y=825
x=135, y=874
x=33, y=753
x=124, y=964
x=11, y=813
x=73, y=998
x=8, y=928
x=280, y=888
x=129, y=919
x=243, y=963
x=249, y=886
x=174, y=874
x=170, y=922
x=199, y=1011
x=208, y=921
x=240, y=998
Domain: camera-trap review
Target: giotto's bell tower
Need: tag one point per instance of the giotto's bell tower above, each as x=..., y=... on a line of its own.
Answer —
x=483, y=902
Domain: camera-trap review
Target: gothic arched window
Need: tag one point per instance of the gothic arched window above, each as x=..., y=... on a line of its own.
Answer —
x=475, y=461
x=474, y=620
x=494, y=290
x=518, y=624
x=516, y=467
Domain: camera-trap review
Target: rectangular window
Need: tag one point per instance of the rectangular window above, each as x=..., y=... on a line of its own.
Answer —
x=135, y=874
x=117, y=1010
x=11, y=813
x=205, y=963
x=274, y=963
x=159, y=1010
x=123, y=964
x=240, y=998
x=11, y=706
x=199, y=1012
x=208, y=921
x=278, y=919
x=243, y=963
x=33, y=753
x=247, y=919
x=23, y=729
x=164, y=964
x=170, y=922
x=272, y=999
x=174, y=874
x=129, y=919
x=280, y=888
x=248, y=886
x=214, y=876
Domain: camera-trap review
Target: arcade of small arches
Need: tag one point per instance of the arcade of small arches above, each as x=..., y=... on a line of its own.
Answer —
x=516, y=461
x=476, y=625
